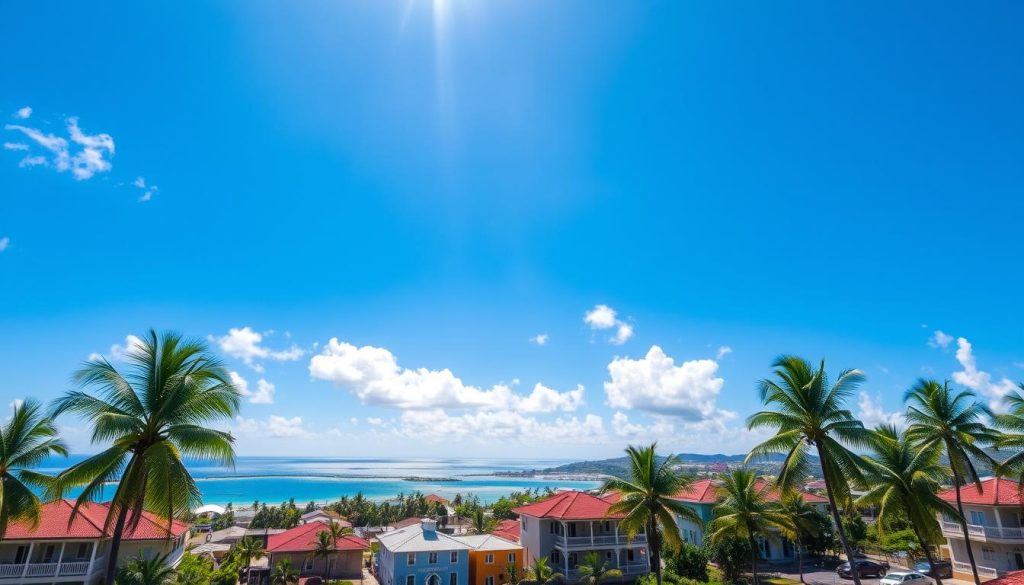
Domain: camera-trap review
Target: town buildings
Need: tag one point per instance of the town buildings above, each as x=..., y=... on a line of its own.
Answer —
x=995, y=522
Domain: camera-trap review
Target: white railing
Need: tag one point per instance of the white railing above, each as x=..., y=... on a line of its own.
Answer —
x=8, y=571
x=74, y=568
x=1009, y=533
x=41, y=570
x=982, y=571
x=634, y=568
x=602, y=540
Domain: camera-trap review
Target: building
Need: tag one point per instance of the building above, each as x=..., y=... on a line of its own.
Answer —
x=324, y=516
x=297, y=545
x=507, y=529
x=421, y=555
x=703, y=496
x=490, y=559
x=995, y=524
x=60, y=551
x=568, y=525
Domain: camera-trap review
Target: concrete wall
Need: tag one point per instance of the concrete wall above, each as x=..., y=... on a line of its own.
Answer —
x=344, y=564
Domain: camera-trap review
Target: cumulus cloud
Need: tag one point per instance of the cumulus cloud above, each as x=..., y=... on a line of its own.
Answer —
x=437, y=425
x=872, y=414
x=656, y=384
x=23, y=113
x=120, y=352
x=84, y=156
x=980, y=380
x=722, y=352
x=603, y=317
x=245, y=344
x=15, y=146
x=374, y=376
x=264, y=393
x=540, y=339
x=940, y=339
x=274, y=426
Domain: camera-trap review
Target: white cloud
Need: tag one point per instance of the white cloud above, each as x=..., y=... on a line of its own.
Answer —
x=15, y=146
x=31, y=161
x=374, y=376
x=264, y=393
x=873, y=414
x=16, y=403
x=240, y=383
x=655, y=384
x=603, y=317
x=245, y=344
x=940, y=339
x=5, y=242
x=979, y=380
x=118, y=352
x=437, y=425
x=147, y=190
x=23, y=113
x=274, y=426
x=540, y=339
x=374, y=420
x=722, y=352
x=84, y=156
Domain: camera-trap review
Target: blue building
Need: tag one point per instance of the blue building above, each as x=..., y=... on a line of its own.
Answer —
x=420, y=555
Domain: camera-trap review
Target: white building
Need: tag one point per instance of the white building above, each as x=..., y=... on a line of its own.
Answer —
x=995, y=523
x=56, y=552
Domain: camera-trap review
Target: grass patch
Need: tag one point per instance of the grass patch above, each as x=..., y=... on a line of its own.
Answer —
x=778, y=581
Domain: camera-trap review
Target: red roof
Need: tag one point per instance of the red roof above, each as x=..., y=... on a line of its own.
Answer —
x=993, y=492
x=570, y=505
x=54, y=518
x=507, y=529
x=436, y=499
x=705, y=491
x=1011, y=578
x=303, y=538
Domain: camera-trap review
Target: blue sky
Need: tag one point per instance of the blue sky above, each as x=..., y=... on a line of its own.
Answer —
x=435, y=184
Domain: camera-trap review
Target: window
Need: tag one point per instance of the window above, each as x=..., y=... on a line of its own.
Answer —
x=989, y=554
x=572, y=528
x=48, y=552
x=629, y=555
x=489, y=559
x=453, y=579
x=573, y=560
x=607, y=526
x=432, y=558
x=489, y=580
x=512, y=557
x=455, y=556
x=410, y=580
x=410, y=559
x=977, y=517
x=83, y=551
x=21, y=555
x=309, y=564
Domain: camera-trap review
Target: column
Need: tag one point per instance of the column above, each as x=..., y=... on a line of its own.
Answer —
x=591, y=534
x=60, y=558
x=28, y=558
x=999, y=523
x=92, y=559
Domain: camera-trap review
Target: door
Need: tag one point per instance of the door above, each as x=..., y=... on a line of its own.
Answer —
x=1019, y=560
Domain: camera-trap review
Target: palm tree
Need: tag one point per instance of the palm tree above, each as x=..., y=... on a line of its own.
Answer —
x=146, y=571
x=594, y=571
x=250, y=549
x=284, y=573
x=646, y=501
x=541, y=574
x=745, y=513
x=801, y=516
x=338, y=531
x=904, y=481
x=811, y=413
x=152, y=415
x=1012, y=422
x=954, y=423
x=325, y=548
x=481, y=523
x=25, y=441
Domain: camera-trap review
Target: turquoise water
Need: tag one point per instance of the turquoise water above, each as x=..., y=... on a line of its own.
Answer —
x=321, y=479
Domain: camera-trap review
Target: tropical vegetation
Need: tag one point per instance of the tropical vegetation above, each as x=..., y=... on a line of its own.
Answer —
x=26, y=439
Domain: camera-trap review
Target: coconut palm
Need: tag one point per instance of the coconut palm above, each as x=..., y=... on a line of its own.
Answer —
x=542, y=574
x=284, y=573
x=250, y=549
x=151, y=415
x=146, y=571
x=26, y=439
x=745, y=512
x=1012, y=424
x=594, y=571
x=955, y=423
x=325, y=548
x=810, y=413
x=646, y=501
x=801, y=516
x=481, y=523
x=903, y=482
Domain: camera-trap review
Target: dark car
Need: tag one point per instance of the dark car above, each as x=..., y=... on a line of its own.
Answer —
x=943, y=568
x=864, y=567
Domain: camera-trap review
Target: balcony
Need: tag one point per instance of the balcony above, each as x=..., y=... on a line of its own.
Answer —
x=988, y=572
x=983, y=532
x=64, y=569
x=598, y=540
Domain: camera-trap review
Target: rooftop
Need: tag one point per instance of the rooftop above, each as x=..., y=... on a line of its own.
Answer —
x=508, y=529
x=303, y=538
x=488, y=542
x=417, y=539
x=55, y=522
x=993, y=492
x=1011, y=578
x=570, y=505
x=705, y=491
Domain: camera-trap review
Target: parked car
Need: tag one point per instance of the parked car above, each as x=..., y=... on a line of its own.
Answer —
x=943, y=568
x=864, y=568
x=904, y=578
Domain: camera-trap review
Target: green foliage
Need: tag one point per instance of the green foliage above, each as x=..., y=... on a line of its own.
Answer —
x=286, y=515
x=502, y=509
x=856, y=530
x=732, y=555
x=823, y=538
x=146, y=571
x=194, y=570
x=594, y=570
x=363, y=512
x=902, y=541
x=689, y=562
x=25, y=439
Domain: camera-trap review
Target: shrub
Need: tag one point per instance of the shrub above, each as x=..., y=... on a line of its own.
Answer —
x=732, y=555
x=691, y=562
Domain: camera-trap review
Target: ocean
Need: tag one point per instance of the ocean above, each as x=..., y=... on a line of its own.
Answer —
x=322, y=479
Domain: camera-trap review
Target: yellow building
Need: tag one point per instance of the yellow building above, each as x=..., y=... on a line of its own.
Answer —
x=490, y=557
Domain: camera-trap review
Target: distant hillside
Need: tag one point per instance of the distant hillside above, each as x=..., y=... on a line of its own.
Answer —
x=618, y=465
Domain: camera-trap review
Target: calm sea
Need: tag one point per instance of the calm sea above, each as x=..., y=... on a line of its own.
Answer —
x=322, y=479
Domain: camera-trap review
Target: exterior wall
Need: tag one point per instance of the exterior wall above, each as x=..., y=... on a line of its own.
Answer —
x=692, y=532
x=131, y=549
x=542, y=537
x=479, y=569
x=344, y=564
x=997, y=540
x=394, y=567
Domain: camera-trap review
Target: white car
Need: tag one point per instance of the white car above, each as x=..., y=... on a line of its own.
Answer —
x=904, y=578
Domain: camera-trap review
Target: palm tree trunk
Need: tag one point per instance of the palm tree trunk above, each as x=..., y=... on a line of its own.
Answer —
x=800, y=557
x=963, y=525
x=927, y=554
x=115, y=545
x=654, y=541
x=836, y=519
x=753, y=557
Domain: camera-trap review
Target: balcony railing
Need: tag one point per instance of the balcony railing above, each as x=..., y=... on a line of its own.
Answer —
x=65, y=569
x=597, y=540
x=41, y=570
x=71, y=569
x=982, y=571
x=1008, y=533
x=7, y=571
x=634, y=568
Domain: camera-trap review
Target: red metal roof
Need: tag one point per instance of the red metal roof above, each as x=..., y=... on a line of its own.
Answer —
x=55, y=516
x=507, y=529
x=303, y=538
x=1011, y=578
x=570, y=505
x=993, y=492
x=705, y=491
